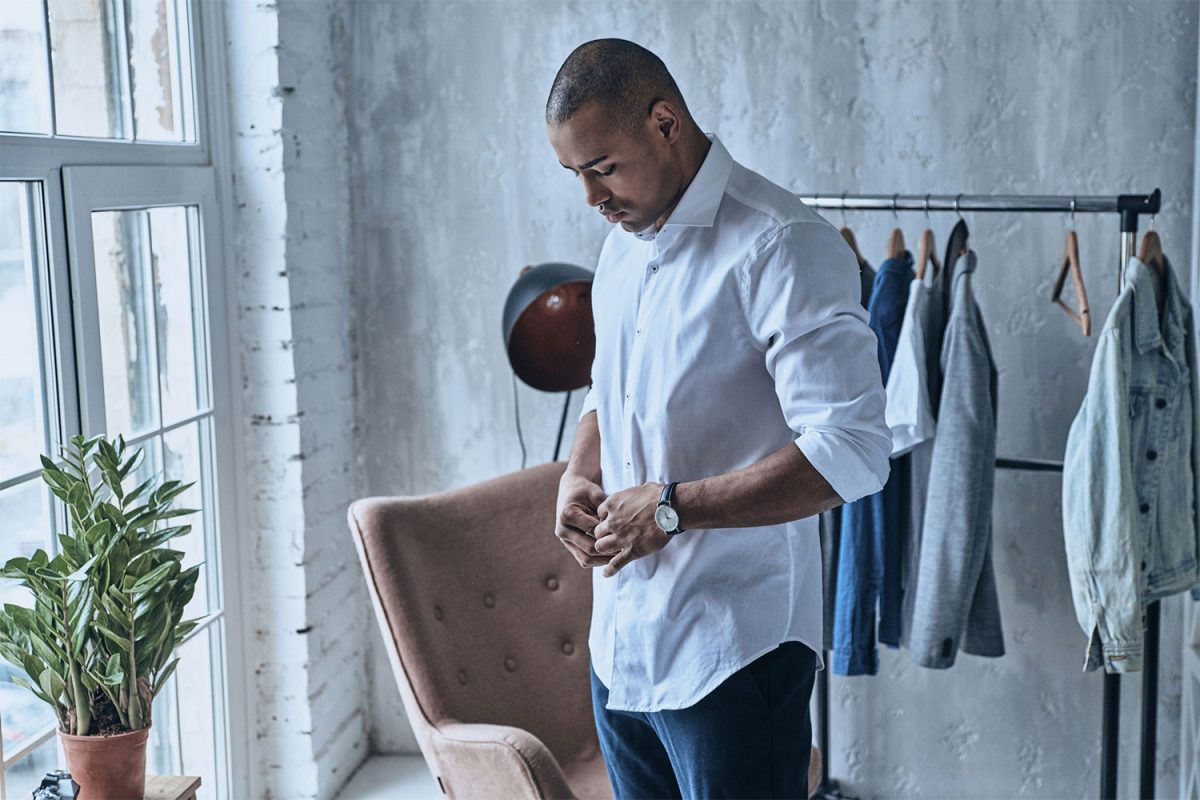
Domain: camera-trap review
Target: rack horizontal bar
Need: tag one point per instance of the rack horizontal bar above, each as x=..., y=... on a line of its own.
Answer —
x=1082, y=204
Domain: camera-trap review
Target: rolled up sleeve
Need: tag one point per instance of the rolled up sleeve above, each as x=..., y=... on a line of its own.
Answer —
x=589, y=402
x=801, y=296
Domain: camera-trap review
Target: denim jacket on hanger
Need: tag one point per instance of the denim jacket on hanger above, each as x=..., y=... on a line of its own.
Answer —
x=1130, y=472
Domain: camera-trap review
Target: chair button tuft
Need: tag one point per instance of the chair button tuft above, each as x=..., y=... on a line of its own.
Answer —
x=489, y=601
x=437, y=612
x=462, y=677
x=510, y=664
x=552, y=583
x=568, y=648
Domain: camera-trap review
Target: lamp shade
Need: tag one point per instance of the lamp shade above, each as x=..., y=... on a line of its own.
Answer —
x=548, y=330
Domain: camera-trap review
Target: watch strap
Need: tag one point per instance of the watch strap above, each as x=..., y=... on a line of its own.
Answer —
x=668, y=498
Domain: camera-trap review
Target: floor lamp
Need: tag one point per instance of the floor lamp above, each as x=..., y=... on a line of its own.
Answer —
x=548, y=331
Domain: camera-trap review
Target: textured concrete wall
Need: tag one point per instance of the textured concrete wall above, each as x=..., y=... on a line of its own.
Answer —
x=310, y=610
x=455, y=188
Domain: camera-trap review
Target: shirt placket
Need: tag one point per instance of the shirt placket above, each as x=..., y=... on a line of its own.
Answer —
x=626, y=602
x=633, y=469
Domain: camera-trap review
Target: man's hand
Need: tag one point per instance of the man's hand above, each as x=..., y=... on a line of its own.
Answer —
x=576, y=517
x=627, y=529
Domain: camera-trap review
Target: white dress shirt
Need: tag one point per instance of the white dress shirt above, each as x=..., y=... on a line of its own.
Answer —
x=910, y=418
x=732, y=332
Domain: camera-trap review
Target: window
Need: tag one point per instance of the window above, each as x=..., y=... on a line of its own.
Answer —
x=112, y=300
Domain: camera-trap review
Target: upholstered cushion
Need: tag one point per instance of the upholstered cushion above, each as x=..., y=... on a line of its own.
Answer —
x=485, y=616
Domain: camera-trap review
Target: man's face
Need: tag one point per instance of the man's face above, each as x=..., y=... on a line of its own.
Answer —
x=627, y=176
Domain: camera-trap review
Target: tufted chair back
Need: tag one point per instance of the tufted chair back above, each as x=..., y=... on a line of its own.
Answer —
x=485, y=618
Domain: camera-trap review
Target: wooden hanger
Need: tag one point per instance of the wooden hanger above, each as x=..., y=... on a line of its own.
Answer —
x=956, y=246
x=896, y=244
x=848, y=235
x=1070, y=263
x=928, y=253
x=1151, y=253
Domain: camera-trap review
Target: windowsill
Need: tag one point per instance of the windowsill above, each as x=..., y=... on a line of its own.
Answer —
x=390, y=776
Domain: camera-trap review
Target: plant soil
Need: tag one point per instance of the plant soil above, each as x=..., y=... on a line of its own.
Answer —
x=105, y=720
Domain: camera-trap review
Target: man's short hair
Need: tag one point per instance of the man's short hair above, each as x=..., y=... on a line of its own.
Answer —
x=625, y=78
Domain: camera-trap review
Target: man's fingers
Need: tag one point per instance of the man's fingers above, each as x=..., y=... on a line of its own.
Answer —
x=607, y=544
x=581, y=541
x=575, y=516
x=585, y=559
x=596, y=495
x=619, y=560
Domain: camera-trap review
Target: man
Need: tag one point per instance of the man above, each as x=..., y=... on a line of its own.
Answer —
x=736, y=393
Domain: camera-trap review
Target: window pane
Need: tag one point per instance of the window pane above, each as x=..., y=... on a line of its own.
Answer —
x=22, y=432
x=173, y=296
x=151, y=461
x=22, y=715
x=162, y=747
x=24, y=527
x=159, y=101
x=88, y=95
x=25, y=776
x=195, y=680
x=24, y=71
x=127, y=340
x=181, y=461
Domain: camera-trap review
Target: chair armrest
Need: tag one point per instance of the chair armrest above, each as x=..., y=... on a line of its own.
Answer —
x=485, y=761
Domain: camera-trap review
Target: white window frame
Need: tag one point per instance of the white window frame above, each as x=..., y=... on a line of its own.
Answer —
x=201, y=174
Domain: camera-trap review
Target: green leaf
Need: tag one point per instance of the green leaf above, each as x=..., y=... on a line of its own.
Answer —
x=81, y=574
x=52, y=684
x=139, y=491
x=73, y=547
x=153, y=578
x=166, y=673
x=119, y=641
x=132, y=463
x=15, y=567
x=98, y=533
x=36, y=690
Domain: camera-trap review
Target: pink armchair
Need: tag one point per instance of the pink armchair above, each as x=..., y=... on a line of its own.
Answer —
x=485, y=617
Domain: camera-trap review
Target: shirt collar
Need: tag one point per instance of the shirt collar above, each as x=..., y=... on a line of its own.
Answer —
x=699, y=203
x=1147, y=331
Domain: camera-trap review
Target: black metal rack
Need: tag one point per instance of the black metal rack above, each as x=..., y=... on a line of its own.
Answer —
x=1129, y=207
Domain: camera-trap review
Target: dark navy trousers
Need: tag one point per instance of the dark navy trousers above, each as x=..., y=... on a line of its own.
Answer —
x=749, y=738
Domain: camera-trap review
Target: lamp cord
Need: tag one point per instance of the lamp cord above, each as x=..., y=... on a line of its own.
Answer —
x=517, y=412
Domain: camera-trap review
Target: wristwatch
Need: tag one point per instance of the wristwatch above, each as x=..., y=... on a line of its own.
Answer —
x=665, y=515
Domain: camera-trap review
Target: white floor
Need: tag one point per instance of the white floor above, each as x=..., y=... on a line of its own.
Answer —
x=392, y=777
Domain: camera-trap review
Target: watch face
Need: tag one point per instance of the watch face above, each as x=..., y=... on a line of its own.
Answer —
x=666, y=517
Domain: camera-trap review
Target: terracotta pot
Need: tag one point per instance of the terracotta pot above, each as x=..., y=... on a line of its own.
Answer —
x=108, y=767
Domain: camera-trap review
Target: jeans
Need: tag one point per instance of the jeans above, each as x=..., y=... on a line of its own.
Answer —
x=749, y=737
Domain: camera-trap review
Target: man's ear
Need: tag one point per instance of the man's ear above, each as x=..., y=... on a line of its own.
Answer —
x=665, y=121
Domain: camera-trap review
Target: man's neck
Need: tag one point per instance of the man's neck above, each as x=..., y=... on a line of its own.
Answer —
x=692, y=164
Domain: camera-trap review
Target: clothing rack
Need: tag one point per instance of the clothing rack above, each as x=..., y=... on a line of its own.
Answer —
x=1129, y=207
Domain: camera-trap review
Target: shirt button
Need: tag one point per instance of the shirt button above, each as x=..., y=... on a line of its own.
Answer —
x=638, y=331
x=1160, y=403
x=1151, y=455
x=1144, y=507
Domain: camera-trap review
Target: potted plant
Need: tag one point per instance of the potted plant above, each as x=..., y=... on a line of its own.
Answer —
x=97, y=644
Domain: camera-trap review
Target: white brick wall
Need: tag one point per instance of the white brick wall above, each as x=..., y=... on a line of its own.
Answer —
x=310, y=610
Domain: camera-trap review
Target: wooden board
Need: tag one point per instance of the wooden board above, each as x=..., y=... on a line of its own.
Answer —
x=171, y=787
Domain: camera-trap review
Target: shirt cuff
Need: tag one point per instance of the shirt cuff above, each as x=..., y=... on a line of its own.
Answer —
x=842, y=463
x=589, y=402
